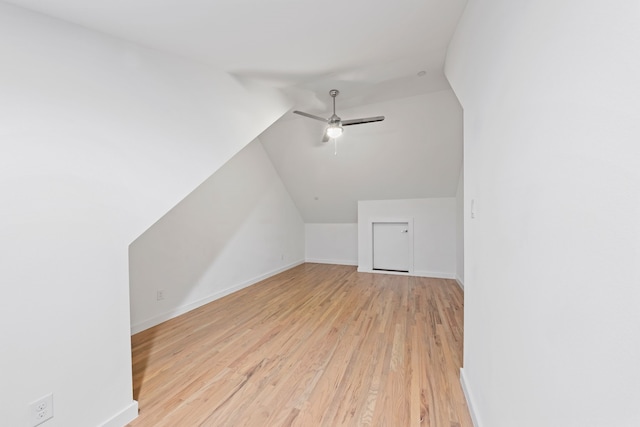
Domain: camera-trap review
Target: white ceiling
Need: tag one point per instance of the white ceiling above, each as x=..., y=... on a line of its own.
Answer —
x=354, y=45
x=371, y=50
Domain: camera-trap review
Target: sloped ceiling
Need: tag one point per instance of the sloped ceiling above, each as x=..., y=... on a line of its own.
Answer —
x=416, y=152
x=371, y=50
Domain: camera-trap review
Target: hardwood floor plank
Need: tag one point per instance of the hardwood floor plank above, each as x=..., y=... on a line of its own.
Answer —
x=317, y=345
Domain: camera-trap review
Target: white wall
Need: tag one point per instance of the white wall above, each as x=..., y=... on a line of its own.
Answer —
x=434, y=232
x=331, y=243
x=551, y=99
x=460, y=231
x=240, y=226
x=98, y=139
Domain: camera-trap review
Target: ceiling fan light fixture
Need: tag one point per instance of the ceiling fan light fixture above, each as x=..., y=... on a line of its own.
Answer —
x=335, y=123
x=334, y=130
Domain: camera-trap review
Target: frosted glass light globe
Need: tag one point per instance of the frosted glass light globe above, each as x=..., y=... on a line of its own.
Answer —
x=334, y=131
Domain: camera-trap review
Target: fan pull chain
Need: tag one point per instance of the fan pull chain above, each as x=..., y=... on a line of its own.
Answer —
x=335, y=146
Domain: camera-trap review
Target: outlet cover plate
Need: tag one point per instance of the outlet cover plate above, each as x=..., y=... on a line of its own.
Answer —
x=41, y=410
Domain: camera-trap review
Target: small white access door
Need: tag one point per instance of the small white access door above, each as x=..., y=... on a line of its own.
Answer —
x=391, y=246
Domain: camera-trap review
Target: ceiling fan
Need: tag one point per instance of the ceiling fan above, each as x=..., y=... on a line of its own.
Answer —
x=335, y=123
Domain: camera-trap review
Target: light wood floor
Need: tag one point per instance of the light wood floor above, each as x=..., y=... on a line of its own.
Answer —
x=317, y=345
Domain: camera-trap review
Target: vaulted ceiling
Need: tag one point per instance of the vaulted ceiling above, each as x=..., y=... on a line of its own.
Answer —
x=416, y=152
x=371, y=50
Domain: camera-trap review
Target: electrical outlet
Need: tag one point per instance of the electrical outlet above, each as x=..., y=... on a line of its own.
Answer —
x=41, y=410
x=159, y=295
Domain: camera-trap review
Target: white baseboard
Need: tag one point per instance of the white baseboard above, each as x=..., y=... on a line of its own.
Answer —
x=156, y=320
x=419, y=273
x=332, y=261
x=434, y=274
x=393, y=273
x=460, y=282
x=469, y=397
x=123, y=417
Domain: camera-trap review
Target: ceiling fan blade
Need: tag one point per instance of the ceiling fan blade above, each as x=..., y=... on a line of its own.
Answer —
x=311, y=116
x=325, y=137
x=361, y=121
